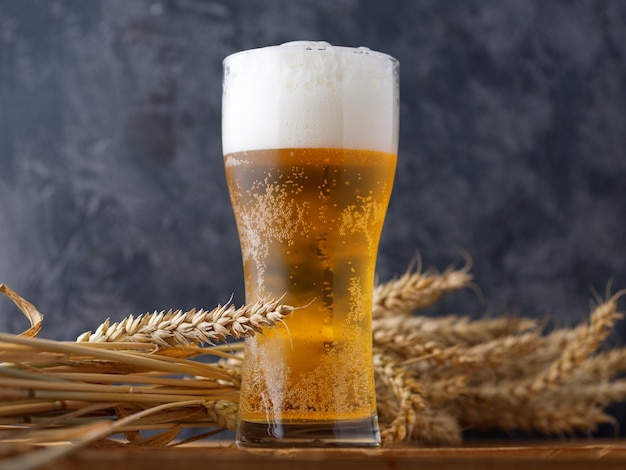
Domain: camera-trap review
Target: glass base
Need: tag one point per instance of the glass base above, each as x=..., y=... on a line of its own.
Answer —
x=354, y=433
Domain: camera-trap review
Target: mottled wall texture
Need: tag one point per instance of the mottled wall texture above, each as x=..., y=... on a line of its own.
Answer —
x=112, y=191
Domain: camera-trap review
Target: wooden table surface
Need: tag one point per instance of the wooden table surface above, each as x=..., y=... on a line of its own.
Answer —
x=605, y=454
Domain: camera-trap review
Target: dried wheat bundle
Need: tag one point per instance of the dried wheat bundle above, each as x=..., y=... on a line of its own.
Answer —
x=128, y=377
x=501, y=373
x=435, y=376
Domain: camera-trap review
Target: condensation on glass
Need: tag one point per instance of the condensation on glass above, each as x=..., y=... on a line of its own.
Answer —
x=310, y=138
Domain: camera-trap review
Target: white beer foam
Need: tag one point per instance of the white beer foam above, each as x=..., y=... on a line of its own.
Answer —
x=307, y=95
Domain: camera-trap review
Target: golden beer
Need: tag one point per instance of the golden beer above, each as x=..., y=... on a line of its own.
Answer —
x=309, y=220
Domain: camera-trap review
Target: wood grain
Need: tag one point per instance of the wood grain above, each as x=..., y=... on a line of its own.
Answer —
x=549, y=455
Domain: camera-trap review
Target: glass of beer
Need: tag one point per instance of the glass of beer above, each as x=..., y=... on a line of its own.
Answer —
x=310, y=137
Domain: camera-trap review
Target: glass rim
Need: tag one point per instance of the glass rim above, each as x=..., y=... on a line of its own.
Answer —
x=313, y=46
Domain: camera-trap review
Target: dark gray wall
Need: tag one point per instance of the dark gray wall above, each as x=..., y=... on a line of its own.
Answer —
x=112, y=193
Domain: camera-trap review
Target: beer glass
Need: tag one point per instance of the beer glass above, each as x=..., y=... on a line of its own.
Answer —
x=310, y=136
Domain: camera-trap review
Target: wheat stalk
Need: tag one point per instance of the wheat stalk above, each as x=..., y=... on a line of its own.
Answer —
x=437, y=427
x=584, y=342
x=602, y=367
x=178, y=328
x=416, y=290
x=547, y=418
x=403, y=399
x=450, y=330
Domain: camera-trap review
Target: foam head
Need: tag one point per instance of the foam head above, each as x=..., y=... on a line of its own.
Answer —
x=310, y=95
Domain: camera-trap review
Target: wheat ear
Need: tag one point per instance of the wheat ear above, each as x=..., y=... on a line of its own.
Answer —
x=415, y=290
x=401, y=403
x=178, y=328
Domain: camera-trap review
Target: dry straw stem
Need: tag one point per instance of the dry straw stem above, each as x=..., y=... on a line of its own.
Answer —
x=112, y=358
x=38, y=394
x=92, y=432
x=27, y=309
